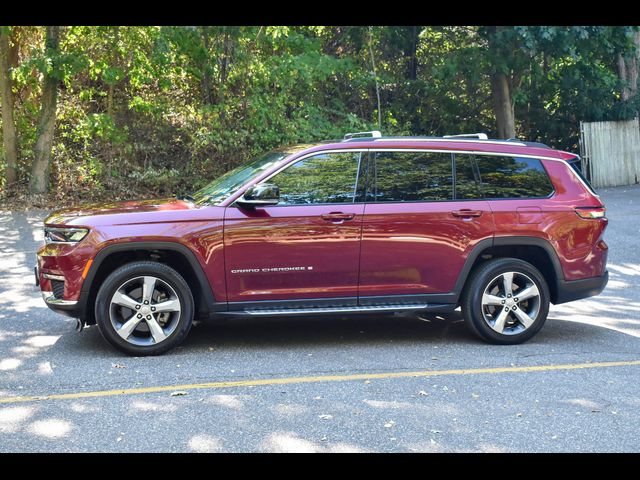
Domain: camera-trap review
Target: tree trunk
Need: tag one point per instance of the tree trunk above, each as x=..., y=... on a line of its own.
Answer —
x=632, y=68
x=375, y=76
x=628, y=71
x=205, y=83
x=622, y=74
x=503, y=105
x=9, y=135
x=411, y=53
x=39, y=182
x=224, y=61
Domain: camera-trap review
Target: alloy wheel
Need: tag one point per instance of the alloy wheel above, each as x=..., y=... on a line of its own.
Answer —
x=511, y=303
x=145, y=310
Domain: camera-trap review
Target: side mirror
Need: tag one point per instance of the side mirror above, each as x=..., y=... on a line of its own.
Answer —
x=260, y=195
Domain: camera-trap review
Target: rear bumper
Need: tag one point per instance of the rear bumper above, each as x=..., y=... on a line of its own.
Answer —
x=577, y=289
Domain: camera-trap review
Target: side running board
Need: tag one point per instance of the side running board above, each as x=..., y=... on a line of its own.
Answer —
x=356, y=309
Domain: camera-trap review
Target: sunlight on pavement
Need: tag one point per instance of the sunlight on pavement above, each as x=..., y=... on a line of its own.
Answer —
x=143, y=406
x=44, y=368
x=41, y=341
x=393, y=405
x=490, y=448
x=83, y=408
x=230, y=401
x=53, y=428
x=205, y=444
x=12, y=417
x=34, y=344
x=613, y=309
x=583, y=402
x=431, y=446
x=289, y=442
x=289, y=410
x=631, y=269
x=10, y=364
x=606, y=312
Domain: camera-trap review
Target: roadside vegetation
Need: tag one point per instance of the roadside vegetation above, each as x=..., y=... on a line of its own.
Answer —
x=112, y=112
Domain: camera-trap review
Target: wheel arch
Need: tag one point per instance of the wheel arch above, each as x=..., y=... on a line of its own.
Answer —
x=173, y=254
x=534, y=250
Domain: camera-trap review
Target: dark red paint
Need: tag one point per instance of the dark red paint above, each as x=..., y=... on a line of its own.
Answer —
x=383, y=249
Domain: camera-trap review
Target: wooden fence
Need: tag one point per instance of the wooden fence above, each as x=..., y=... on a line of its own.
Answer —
x=610, y=152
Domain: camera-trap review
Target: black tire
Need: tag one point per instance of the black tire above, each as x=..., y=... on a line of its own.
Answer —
x=479, y=318
x=132, y=272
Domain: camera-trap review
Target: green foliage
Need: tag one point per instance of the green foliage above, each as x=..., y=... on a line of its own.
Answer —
x=164, y=110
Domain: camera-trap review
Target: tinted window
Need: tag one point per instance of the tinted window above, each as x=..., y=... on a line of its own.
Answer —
x=412, y=176
x=576, y=165
x=508, y=177
x=228, y=183
x=325, y=178
x=467, y=179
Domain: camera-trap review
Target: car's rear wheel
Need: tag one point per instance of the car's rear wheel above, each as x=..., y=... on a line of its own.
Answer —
x=144, y=308
x=506, y=301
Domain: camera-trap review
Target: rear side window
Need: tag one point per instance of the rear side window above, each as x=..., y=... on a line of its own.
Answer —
x=512, y=177
x=412, y=176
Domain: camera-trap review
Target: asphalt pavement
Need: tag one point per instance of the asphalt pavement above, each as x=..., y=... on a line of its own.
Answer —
x=368, y=384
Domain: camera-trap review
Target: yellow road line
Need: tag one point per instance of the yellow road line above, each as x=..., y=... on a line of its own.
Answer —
x=322, y=378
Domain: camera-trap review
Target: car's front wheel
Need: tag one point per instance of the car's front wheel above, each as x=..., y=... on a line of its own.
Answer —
x=144, y=308
x=506, y=301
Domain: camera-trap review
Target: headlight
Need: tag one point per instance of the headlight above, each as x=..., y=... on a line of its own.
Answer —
x=64, y=235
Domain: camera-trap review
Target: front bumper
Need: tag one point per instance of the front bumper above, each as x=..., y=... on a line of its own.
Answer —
x=577, y=289
x=50, y=299
x=55, y=303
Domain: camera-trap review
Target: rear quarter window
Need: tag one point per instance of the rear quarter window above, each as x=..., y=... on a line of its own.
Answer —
x=513, y=177
x=576, y=166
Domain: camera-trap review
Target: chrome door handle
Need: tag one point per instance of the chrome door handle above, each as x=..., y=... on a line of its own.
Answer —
x=466, y=213
x=337, y=217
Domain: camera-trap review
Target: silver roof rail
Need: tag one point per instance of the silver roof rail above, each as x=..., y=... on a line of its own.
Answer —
x=372, y=134
x=479, y=136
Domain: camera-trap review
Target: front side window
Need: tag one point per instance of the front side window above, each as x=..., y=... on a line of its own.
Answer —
x=324, y=178
x=412, y=177
x=512, y=177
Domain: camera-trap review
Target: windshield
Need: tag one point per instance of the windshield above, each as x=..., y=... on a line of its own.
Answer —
x=223, y=186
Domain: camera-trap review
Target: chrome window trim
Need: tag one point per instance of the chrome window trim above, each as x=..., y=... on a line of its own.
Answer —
x=426, y=149
x=313, y=154
x=472, y=152
x=499, y=154
x=453, y=153
x=304, y=157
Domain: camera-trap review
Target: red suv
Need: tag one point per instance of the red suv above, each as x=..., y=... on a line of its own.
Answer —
x=367, y=224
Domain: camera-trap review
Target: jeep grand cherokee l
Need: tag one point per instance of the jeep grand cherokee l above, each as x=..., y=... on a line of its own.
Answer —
x=367, y=224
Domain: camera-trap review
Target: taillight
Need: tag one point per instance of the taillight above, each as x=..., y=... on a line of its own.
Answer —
x=590, y=212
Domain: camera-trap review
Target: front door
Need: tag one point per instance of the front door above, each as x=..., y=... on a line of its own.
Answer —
x=307, y=247
x=419, y=224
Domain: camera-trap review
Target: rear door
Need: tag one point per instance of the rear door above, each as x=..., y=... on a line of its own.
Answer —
x=420, y=223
